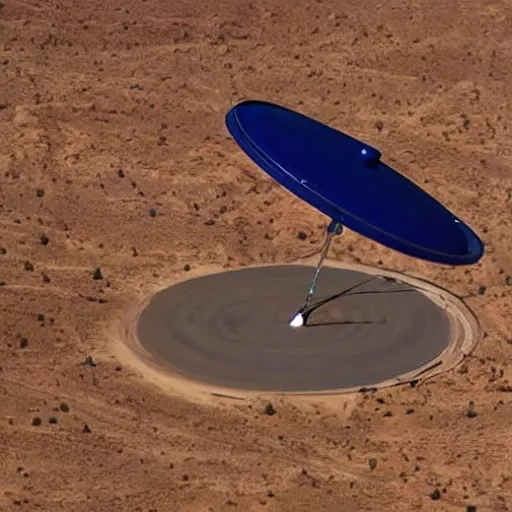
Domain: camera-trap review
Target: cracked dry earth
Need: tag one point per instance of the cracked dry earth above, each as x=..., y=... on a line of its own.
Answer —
x=114, y=156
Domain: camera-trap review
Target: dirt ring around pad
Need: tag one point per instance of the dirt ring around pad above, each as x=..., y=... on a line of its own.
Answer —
x=204, y=334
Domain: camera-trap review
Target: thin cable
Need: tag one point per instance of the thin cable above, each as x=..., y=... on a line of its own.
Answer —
x=323, y=254
x=300, y=316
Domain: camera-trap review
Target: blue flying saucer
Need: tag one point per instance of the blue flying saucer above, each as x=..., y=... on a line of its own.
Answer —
x=346, y=180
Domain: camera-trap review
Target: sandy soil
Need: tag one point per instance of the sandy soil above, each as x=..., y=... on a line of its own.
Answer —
x=111, y=109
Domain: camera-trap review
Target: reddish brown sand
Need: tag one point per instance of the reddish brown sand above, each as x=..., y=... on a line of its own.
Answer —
x=110, y=109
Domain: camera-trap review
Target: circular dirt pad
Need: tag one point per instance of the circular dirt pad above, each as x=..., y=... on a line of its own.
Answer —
x=231, y=329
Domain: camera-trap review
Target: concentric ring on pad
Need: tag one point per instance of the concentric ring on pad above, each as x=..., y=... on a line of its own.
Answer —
x=231, y=330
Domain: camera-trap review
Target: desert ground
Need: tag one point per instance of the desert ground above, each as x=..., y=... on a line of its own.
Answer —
x=114, y=156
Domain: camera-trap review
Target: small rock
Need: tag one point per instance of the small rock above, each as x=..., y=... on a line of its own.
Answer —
x=29, y=267
x=379, y=125
x=436, y=495
x=3, y=251
x=64, y=407
x=120, y=173
x=46, y=279
x=23, y=343
x=152, y=212
x=36, y=422
x=463, y=370
x=470, y=412
x=86, y=429
x=44, y=240
x=372, y=464
x=471, y=508
x=52, y=420
x=186, y=267
x=269, y=409
x=301, y=235
x=481, y=290
x=97, y=275
x=39, y=192
x=89, y=361
x=270, y=494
